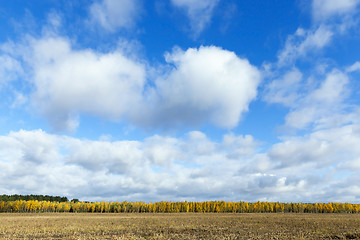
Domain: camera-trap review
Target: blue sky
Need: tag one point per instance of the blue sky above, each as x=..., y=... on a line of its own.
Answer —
x=181, y=100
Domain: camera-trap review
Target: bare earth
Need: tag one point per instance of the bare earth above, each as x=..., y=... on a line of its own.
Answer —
x=179, y=226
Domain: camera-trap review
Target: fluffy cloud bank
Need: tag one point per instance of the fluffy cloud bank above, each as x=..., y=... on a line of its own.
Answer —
x=156, y=169
x=189, y=168
x=198, y=85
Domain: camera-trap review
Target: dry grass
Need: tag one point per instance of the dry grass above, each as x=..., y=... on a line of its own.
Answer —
x=179, y=226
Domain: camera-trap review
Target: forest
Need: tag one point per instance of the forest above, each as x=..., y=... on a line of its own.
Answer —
x=24, y=206
x=15, y=197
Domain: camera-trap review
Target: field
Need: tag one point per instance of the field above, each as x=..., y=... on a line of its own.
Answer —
x=179, y=226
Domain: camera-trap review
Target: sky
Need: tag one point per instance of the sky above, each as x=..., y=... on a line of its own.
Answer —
x=181, y=100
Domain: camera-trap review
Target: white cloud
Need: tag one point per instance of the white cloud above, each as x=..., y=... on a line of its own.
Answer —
x=199, y=13
x=115, y=14
x=324, y=9
x=116, y=157
x=333, y=147
x=332, y=90
x=353, y=68
x=161, y=151
x=232, y=142
x=10, y=69
x=302, y=42
x=68, y=82
x=284, y=90
x=300, y=150
x=322, y=107
x=205, y=84
x=19, y=100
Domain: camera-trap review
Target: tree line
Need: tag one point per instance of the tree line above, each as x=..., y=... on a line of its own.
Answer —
x=16, y=197
x=176, y=207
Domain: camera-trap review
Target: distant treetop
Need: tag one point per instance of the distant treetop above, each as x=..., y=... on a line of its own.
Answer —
x=15, y=197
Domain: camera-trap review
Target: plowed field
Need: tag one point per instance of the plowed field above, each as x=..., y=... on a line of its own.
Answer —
x=179, y=226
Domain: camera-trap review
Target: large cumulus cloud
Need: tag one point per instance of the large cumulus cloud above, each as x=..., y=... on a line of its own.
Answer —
x=68, y=82
x=205, y=84
x=208, y=84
